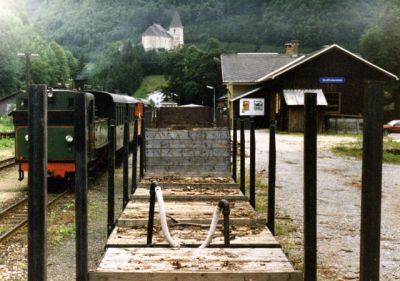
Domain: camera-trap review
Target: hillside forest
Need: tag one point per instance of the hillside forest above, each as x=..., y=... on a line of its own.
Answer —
x=100, y=40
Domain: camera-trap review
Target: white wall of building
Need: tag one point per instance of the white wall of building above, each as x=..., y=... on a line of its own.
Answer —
x=177, y=34
x=156, y=42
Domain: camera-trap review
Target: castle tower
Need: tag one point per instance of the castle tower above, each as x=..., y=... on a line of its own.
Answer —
x=176, y=30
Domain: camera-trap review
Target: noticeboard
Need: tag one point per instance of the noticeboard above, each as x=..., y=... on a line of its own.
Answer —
x=251, y=107
x=332, y=80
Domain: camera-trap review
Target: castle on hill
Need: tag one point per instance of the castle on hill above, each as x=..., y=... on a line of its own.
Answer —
x=157, y=37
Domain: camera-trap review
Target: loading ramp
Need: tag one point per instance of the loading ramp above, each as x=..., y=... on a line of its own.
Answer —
x=253, y=253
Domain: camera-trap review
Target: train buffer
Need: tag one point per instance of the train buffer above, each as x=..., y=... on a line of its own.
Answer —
x=253, y=253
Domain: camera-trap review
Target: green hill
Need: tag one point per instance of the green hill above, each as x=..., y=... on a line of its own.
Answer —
x=89, y=26
x=150, y=84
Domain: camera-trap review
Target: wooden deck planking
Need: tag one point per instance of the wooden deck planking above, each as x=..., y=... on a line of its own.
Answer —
x=136, y=213
x=194, y=182
x=190, y=235
x=190, y=194
x=255, y=256
x=194, y=185
x=195, y=264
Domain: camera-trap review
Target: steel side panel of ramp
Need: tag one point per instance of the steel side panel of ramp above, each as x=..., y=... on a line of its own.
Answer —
x=204, y=151
x=160, y=264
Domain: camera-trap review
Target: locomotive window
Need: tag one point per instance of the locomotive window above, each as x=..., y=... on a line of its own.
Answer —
x=90, y=112
x=118, y=115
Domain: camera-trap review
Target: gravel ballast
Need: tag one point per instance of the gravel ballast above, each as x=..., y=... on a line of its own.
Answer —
x=339, y=203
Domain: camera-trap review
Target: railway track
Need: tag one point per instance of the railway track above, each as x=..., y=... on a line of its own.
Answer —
x=7, y=163
x=15, y=217
x=4, y=135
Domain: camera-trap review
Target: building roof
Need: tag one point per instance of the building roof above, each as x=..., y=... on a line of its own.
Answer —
x=9, y=96
x=253, y=68
x=192, y=105
x=157, y=30
x=176, y=21
x=224, y=97
x=296, y=96
x=249, y=67
x=246, y=94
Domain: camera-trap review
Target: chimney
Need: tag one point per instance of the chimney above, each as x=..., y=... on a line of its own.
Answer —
x=292, y=48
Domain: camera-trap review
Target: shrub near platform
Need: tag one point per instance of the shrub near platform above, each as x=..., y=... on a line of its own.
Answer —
x=391, y=150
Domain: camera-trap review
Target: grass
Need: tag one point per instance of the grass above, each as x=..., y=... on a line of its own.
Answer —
x=7, y=143
x=150, y=84
x=6, y=148
x=4, y=228
x=63, y=231
x=320, y=134
x=6, y=124
x=62, y=223
x=391, y=150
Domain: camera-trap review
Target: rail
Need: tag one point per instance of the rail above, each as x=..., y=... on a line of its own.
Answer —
x=21, y=204
x=4, y=135
x=5, y=163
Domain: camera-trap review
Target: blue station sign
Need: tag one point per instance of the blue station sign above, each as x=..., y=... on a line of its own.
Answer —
x=332, y=80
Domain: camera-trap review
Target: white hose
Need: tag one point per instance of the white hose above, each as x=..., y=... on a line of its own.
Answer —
x=164, y=225
x=163, y=219
x=213, y=227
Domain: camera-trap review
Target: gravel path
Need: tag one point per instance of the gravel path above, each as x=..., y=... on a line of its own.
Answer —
x=339, y=203
x=61, y=256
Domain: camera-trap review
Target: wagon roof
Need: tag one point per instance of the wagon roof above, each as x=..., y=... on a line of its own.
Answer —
x=116, y=98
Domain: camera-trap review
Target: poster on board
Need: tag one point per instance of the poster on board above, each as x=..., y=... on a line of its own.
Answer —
x=251, y=107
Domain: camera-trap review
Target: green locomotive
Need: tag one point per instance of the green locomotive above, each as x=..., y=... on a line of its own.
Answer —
x=102, y=107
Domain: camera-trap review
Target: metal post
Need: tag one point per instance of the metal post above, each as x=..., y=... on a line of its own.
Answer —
x=234, y=153
x=37, y=182
x=371, y=194
x=242, y=158
x=310, y=187
x=134, y=156
x=125, y=185
x=214, y=119
x=81, y=183
x=226, y=210
x=111, y=173
x=150, y=223
x=252, y=164
x=142, y=148
x=271, y=177
x=28, y=63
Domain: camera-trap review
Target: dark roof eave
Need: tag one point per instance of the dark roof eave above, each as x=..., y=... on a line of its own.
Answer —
x=240, y=82
x=304, y=59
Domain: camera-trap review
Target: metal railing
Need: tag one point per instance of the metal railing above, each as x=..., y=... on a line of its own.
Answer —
x=37, y=182
x=252, y=168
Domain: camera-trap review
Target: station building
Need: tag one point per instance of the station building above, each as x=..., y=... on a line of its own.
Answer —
x=337, y=76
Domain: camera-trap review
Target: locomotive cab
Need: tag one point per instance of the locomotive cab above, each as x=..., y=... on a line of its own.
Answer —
x=60, y=132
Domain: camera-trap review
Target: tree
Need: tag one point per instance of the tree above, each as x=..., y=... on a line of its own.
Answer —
x=379, y=43
x=120, y=70
x=188, y=72
x=17, y=35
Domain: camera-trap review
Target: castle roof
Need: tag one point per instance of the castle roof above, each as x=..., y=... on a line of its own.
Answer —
x=176, y=21
x=156, y=30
